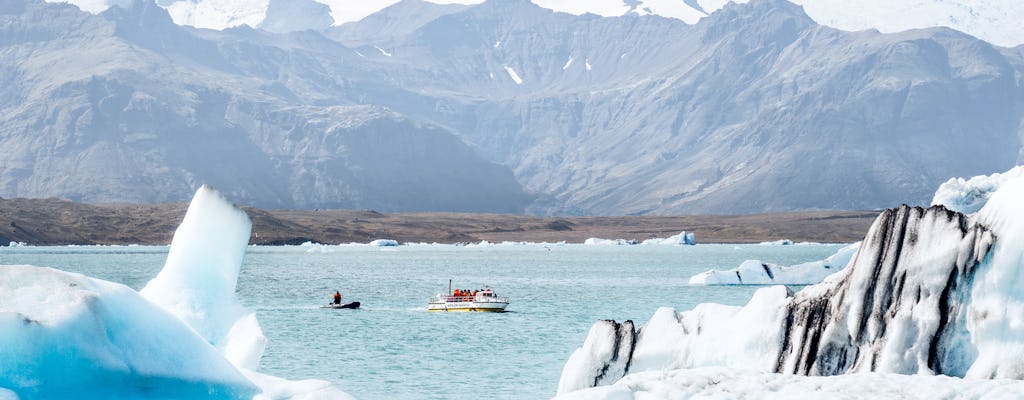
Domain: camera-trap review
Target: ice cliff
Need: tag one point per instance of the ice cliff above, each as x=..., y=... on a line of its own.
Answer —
x=66, y=335
x=930, y=292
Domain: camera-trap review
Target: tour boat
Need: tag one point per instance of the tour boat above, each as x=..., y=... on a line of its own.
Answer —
x=483, y=300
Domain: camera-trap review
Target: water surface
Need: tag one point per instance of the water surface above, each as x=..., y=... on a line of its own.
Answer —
x=392, y=348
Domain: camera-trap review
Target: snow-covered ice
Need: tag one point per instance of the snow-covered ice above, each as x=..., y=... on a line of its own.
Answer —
x=384, y=243
x=65, y=335
x=969, y=195
x=734, y=383
x=608, y=242
x=755, y=272
x=683, y=238
x=929, y=292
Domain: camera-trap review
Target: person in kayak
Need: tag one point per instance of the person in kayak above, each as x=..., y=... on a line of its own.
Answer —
x=337, y=297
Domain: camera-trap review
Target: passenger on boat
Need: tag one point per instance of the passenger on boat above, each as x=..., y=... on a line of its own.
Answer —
x=337, y=297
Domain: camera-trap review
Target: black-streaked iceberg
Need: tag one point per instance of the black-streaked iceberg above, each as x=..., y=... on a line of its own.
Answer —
x=930, y=292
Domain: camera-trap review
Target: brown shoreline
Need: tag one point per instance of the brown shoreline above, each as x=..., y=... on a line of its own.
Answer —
x=59, y=222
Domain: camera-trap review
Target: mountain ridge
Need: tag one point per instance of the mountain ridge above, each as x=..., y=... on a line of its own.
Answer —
x=528, y=109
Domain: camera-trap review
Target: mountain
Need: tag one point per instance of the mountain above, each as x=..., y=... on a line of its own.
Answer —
x=128, y=107
x=501, y=107
x=995, y=21
x=756, y=108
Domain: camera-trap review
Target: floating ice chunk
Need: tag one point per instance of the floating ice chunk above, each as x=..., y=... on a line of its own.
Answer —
x=683, y=238
x=384, y=243
x=197, y=283
x=7, y=394
x=586, y=62
x=755, y=272
x=968, y=196
x=567, y=64
x=780, y=242
x=274, y=388
x=497, y=44
x=607, y=242
x=382, y=51
x=512, y=74
x=65, y=335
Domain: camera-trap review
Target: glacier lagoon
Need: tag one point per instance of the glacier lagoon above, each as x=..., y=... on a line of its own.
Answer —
x=393, y=348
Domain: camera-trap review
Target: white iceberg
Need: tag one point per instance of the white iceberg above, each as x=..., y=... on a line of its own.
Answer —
x=683, y=238
x=609, y=242
x=755, y=272
x=384, y=243
x=780, y=242
x=65, y=335
x=930, y=292
x=969, y=195
x=197, y=283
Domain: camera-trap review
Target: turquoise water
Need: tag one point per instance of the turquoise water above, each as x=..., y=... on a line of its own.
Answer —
x=392, y=348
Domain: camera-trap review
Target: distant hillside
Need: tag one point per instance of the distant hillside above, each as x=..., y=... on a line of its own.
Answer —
x=59, y=222
x=500, y=107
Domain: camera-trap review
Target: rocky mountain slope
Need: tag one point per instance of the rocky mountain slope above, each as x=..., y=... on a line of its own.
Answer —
x=501, y=107
x=127, y=106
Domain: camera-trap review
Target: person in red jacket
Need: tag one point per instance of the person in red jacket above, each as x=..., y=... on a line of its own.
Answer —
x=337, y=297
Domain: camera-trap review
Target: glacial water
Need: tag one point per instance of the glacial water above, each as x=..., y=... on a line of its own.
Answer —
x=392, y=348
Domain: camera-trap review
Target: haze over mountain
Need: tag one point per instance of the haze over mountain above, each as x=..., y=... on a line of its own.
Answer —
x=503, y=106
x=996, y=21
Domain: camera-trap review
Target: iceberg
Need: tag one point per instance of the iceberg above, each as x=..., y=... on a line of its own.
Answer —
x=780, y=242
x=384, y=243
x=683, y=238
x=930, y=292
x=755, y=272
x=185, y=335
x=969, y=195
x=197, y=283
x=65, y=335
x=609, y=242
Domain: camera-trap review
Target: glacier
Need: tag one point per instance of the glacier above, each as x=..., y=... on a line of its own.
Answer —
x=184, y=335
x=931, y=292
